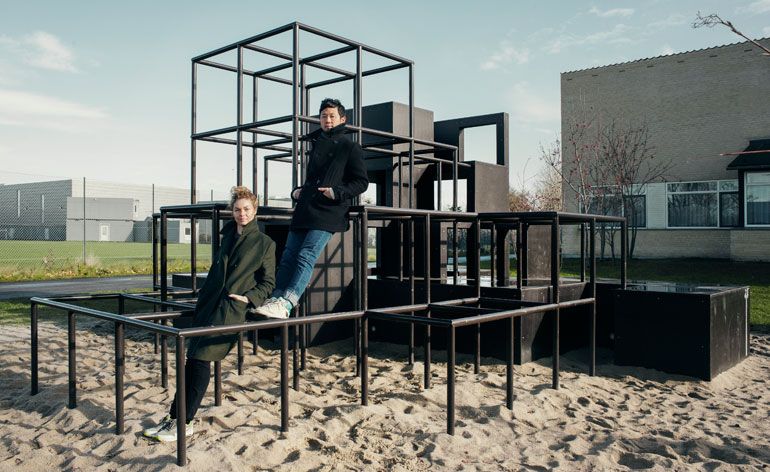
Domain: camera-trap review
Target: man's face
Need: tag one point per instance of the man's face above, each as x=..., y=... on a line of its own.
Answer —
x=330, y=118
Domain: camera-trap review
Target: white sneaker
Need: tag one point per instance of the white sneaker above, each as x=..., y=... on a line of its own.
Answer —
x=167, y=431
x=273, y=308
x=150, y=432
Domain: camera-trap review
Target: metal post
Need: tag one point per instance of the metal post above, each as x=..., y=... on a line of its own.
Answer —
x=254, y=342
x=217, y=383
x=477, y=353
x=455, y=262
x=240, y=353
x=239, y=118
x=181, y=406
x=284, y=378
x=163, y=359
x=193, y=256
x=592, y=347
x=163, y=295
x=120, y=368
x=519, y=254
x=509, y=363
x=193, y=127
x=411, y=136
x=410, y=227
x=450, y=374
x=555, y=298
x=582, y=252
x=426, y=355
x=254, y=138
x=73, y=402
x=524, y=254
x=295, y=98
x=295, y=357
x=492, y=256
x=623, y=254
x=33, y=338
x=155, y=274
x=477, y=252
x=365, y=361
x=426, y=248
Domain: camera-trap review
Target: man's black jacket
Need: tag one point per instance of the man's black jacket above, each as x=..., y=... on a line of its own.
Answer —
x=336, y=162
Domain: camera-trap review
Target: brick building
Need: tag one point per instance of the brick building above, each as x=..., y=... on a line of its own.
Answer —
x=701, y=108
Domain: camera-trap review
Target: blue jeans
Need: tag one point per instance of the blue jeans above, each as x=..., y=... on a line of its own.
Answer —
x=302, y=250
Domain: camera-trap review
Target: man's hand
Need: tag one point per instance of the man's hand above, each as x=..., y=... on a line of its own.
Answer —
x=239, y=298
x=296, y=193
x=327, y=192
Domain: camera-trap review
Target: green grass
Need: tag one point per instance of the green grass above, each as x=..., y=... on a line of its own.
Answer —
x=40, y=260
x=16, y=311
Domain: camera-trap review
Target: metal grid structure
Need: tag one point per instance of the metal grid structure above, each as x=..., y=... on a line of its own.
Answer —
x=450, y=315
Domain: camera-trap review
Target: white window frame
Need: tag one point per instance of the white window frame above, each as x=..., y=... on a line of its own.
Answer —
x=745, y=202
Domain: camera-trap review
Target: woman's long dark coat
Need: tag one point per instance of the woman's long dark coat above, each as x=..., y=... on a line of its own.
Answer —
x=244, y=265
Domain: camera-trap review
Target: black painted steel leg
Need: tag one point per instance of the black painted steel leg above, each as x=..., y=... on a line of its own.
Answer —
x=284, y=378
x=357, y=340
x=217, y=383
x=163, y=360
x=34, y=347
x=295, y=359
x=181, y=406
x=365, y=361
x=73, y=402
x=477, y=357
x=450, y=390
x=555, y=367
x=509, y=364
x=426, y=355
x=120, y=369
x=254, y=342
x=240, y=353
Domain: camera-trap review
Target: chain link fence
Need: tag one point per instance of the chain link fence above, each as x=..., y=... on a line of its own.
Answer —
x=80, y=227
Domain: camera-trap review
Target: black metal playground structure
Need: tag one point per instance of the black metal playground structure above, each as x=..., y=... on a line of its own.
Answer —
x=415, y=293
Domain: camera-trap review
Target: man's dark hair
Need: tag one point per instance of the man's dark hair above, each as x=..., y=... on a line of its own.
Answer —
x=332, y=103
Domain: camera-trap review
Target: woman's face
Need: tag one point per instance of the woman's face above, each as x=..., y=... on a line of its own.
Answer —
x=243, y=212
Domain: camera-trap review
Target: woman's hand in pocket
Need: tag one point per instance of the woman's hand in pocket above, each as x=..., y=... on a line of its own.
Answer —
x=239, y=298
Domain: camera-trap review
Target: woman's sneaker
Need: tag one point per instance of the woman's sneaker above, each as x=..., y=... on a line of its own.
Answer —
x=166, y=431
x=150, y=432
x=274, y=308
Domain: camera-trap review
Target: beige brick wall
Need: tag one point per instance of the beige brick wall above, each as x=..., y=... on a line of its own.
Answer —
x=697, y=105
x=735, y=244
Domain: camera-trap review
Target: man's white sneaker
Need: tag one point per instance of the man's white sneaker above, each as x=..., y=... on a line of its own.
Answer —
x=167, y=431
x=273, y=308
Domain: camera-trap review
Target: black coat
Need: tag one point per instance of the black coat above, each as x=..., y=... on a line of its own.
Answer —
x=336, y=162
x=244, y=265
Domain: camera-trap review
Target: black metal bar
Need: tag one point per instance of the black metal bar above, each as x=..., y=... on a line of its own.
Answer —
x=239, y=118
x=524, y=256
x=555, y=299
x=217, y=383
x=477, y=353
x=426, y=364
x=623, y=253
x=592, y=252
x=295, y=98
x=259, y=37
x=509, y=358
x=240, y=353
x=33, y=318
x=155, y=274
x=254, y=342
x=477, y=253
x=295, y=358
x=181, y=405
x=411, y=287
x=120, y=369
x=426, y=248
x=193, y=130
x=193, y=256
x=450, y=390
x=72, y=364
x=364, y=260
x=365, y=361
x=284, y=378
x=492, y=256
x=455, y=262
x=582, y=252
x=163, y=359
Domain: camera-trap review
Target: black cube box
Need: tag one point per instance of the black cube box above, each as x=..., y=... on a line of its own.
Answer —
x=689, y=330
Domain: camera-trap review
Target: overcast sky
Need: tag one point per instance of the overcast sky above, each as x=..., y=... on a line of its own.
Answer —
x=102, y=89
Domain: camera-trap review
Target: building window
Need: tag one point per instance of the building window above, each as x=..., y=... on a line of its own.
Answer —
x=692, y=204
x=728, y=203
x=634, y=208
x=757, y=198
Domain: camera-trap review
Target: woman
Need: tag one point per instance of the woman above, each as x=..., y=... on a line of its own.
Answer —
x=242, y=275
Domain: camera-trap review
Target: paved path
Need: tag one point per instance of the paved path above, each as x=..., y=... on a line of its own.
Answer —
x=51, y=288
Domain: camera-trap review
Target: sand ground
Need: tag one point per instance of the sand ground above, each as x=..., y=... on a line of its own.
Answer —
x=623, y=419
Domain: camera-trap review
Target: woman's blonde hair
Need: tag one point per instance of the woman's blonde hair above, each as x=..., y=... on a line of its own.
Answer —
x=239, y=193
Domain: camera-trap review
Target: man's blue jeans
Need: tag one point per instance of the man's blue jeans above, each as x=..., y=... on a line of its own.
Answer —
x=302, y=250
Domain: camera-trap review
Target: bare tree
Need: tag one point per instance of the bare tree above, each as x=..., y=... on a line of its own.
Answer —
x=709, y=21
x=548, y=192
x=607, y=167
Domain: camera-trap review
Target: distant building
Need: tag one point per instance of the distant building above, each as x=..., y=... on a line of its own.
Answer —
x=701, y=108
x=54, y=211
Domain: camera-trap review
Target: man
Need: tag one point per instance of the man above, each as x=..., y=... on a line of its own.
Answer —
x=335, y=175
